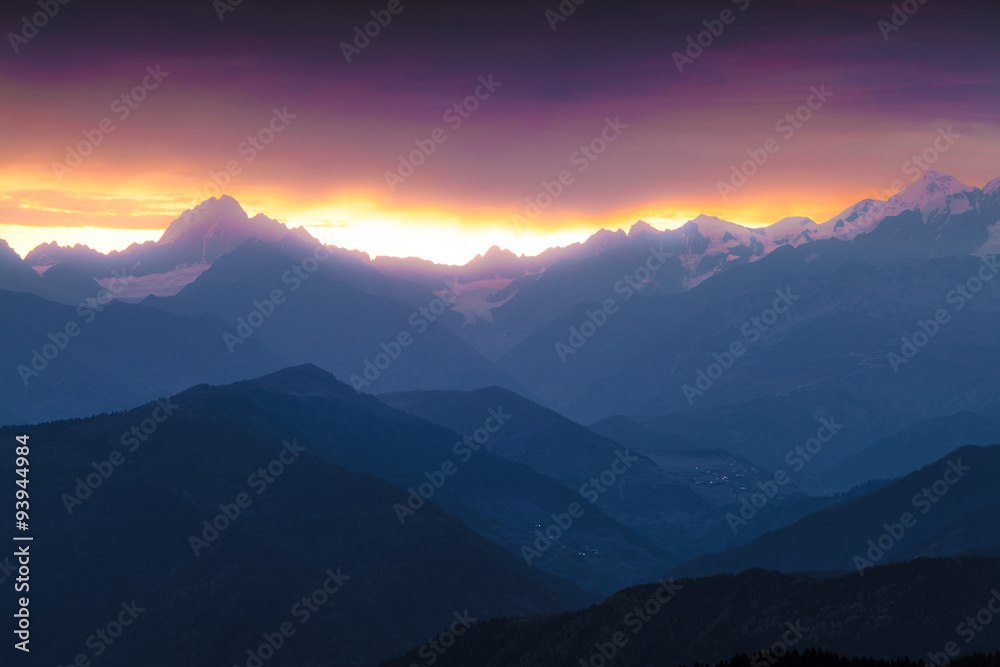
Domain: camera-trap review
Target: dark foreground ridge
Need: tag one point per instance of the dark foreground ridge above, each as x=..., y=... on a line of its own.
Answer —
x=919, y=609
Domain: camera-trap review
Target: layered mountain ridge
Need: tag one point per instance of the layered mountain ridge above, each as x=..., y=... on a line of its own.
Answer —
x=702, y=246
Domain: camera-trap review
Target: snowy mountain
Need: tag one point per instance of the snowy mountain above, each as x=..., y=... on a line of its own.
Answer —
x=49, y=254
x=792, y=230
x=189, y=246
x=707, y=244
x=991, y=187
x=952, y=212
x=934, y=195
x=218, y=226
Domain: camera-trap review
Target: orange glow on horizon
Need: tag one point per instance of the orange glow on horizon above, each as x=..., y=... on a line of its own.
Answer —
x=103, y=239
x=436, y=234
x=359, y=219
x=442, y=236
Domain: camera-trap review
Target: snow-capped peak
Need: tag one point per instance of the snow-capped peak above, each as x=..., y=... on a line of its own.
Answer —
x=709, y=223
x=856, y=219
x=792, y=230
x=932, y=194
x=930, y=190
x=721, y=233
x=215, y=212
x=992, y=186
x=217, y=226
x=800, y=220
x=791, y=225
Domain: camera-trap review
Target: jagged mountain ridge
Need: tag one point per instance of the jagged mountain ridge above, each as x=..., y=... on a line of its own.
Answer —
x=702, y=246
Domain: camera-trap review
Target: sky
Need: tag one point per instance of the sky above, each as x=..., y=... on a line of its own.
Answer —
x=118, y=116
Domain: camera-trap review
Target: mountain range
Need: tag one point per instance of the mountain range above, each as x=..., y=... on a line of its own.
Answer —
x=227, y=507
x=693, y=401
x=219, y=510
x=762, y=617
x=620, y=331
